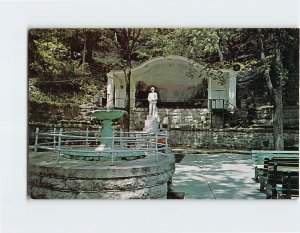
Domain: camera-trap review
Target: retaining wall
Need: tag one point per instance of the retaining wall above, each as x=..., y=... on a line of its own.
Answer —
x=196, y=118
x=242, y=139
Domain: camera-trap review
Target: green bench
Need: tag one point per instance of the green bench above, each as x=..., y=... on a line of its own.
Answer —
x=282, y=179
x=280, y=164
x=290, y=186
x=259, y=156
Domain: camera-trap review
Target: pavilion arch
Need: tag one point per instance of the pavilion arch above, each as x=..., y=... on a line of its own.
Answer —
x=176, y=78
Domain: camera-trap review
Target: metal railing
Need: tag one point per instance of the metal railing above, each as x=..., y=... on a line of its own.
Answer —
x=211, y=104
x=84, y=143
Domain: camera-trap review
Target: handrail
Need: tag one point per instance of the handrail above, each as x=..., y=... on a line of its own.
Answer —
x=125, y=142
x=194, y=101
x=228, y=103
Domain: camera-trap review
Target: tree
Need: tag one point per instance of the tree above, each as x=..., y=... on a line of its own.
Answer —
x=271, y=54
x=282, y=43
x=50, y=62
x=126, y=42
x=56, y=70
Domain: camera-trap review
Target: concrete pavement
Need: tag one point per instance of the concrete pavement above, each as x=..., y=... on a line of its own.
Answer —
x=216, y=176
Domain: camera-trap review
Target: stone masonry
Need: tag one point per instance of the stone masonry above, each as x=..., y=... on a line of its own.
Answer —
x=76, y=179
x=241, y=139
x=193, y=118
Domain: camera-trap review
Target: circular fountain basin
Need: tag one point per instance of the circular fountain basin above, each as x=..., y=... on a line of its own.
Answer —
x=108, y=114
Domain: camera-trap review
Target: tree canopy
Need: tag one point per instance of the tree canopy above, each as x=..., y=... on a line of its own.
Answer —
x=70, y=65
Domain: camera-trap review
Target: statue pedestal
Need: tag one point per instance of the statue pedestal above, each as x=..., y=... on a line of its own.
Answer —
x=151, y=124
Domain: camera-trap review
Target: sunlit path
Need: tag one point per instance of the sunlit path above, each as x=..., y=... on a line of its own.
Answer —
x=216, y=176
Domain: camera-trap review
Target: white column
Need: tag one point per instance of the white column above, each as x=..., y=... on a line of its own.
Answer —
x=110, y=91
x=232, y=88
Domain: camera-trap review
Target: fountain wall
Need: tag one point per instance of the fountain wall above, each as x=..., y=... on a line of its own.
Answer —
x=77, y=179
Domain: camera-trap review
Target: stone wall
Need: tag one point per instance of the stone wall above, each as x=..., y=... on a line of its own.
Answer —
x=242, y=139
x=291, y=116
x=77, y=179
x=195, y=126
x=263, y=116
x=201, y=118
x=173, y=118
x=59, y=113
x=170, y=118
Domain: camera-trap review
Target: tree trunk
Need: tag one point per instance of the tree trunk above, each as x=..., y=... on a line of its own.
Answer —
x=89, y=49
x=84, y=51
x=278, y=113
x=276, y=94
x=123, y=39
x=220, y=54
x=127, y=73
x=278, y=121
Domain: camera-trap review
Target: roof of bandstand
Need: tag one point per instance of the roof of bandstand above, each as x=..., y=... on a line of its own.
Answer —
x=176, y=78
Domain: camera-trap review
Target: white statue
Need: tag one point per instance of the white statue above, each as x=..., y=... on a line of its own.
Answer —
x=151, y=123
x=152, y=98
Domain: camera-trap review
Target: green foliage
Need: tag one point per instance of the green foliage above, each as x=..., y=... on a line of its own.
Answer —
x=52, y=61
x=54, y=76
x=61, y=98
x=70, y=65
x=35, y=95
x=157, y=42
x=198, y=44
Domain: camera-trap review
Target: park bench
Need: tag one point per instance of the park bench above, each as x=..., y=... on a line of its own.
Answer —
x=282, y=164
x=282, y=178
x=290, y=186
x=259, y=156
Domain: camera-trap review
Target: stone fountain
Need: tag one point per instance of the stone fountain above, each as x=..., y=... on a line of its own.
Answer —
x=107, y=117
x=68, y=171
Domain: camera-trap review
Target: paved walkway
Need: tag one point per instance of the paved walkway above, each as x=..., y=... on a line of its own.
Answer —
x=216, y=176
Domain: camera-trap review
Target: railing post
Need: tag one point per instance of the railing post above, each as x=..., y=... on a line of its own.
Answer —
x=87, y=135
x=211, y=113
x=112, y=159
x=156, y=148
x=96, y=139
x=223, y=112
x=59, y=143
x=166, y=142
x=121, y=138
x=54, y=138
x=113, y=140
x=36, y=140
x=147, y=138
